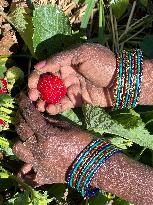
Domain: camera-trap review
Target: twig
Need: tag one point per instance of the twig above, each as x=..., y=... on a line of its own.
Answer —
x=3, y=14
x=128, y=23
x=112, y=24
x=116, y=34
x=138, y=156
x=130, y=17
x=29, y=66
x=131, y=37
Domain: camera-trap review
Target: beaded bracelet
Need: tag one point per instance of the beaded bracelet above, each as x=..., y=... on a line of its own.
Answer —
x=128, y=79
x=87, y=164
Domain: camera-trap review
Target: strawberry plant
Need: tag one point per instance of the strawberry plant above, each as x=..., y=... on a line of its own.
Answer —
x=43, y=30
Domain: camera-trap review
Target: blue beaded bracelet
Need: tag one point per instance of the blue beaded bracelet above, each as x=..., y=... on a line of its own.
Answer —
x=128, y=79
x=87, y=164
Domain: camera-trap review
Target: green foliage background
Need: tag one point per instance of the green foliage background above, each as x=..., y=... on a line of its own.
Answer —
x=46, y=30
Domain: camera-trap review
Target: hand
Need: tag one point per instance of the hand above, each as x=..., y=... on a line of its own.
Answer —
x=86, y=71
x=48, y=146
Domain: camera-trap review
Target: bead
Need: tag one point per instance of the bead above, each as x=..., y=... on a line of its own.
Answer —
x=128, y=79
x=87, y=164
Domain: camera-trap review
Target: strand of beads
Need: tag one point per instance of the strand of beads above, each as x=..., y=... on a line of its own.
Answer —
x=87, y=164
x=128, y=79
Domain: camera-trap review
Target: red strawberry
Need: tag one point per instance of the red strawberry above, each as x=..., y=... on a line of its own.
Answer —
x=51, y=88
x=2, y=123
x=3, y=86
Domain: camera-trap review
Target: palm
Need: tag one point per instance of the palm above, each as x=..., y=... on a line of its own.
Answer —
x=85, y=70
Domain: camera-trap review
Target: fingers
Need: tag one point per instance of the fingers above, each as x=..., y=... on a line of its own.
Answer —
x=35, y=120
x=32, y=116
x=33, y=80
x=73, y=99
x=41, y=106
x=33, y=94
x=23, y=129
x=65, y=125
x=22, y=152
x=63, y=58
x=48, y=67
x=55, y=62
x=65, y=104
x=26, y=168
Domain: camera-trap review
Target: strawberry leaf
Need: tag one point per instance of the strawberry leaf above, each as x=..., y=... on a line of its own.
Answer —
x=2, y=71
x=99, y=121
x=22, y=21
x=5, y=146
x=51, y=29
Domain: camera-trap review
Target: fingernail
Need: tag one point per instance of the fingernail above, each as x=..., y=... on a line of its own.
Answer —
x=40, y=65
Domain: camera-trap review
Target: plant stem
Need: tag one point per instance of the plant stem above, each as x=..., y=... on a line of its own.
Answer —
x=29, y=66
x=101, y=22
x=15, y=56
x=24, y=185
x=138, y=156
x=128, y=23
x=3, y=14
x=130, y=17
x=116, y=34
x=112, y=24
x=132, y=36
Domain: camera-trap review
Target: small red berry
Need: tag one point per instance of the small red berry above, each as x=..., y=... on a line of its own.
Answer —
x=2, y=123
x=3, y=86
x=51, y=88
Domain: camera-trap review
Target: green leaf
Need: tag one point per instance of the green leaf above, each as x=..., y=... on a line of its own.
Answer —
x=5, y=146
x=40, y=199
x=121, y=202
x=24, y=198
x=90, y=6
x=51, y=27
x=99, y=121
x=144, y=3
x=98, y=199
x=127, y=118
x=2, y=71
x=58, y=191
x=19, y=199
x=6, y=98
x=147, y=46
x=121, y=142
x=73, y=115
x=3, y=68
x=14, y=73
x=22, y=21
x=119, y=7
x=3, y=173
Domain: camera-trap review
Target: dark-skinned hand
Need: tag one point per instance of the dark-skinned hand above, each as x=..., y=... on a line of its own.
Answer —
x=86, y=71
x=47, y=146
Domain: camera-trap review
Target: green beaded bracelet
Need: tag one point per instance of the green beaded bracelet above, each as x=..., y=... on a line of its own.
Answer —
x=128, y=79
x=87, y=164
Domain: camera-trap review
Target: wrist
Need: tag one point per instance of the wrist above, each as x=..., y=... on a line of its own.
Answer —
x=146, y=97
x=87, y=164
